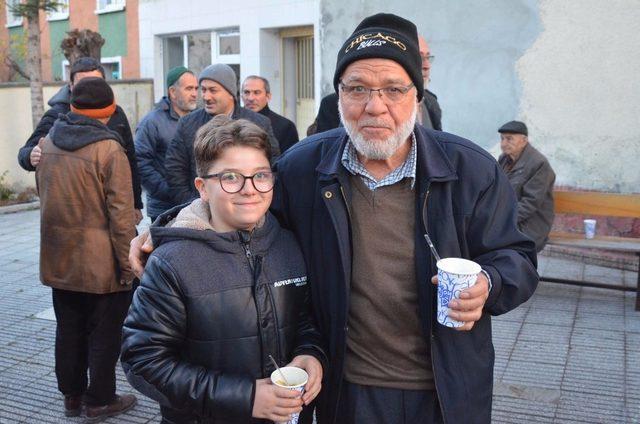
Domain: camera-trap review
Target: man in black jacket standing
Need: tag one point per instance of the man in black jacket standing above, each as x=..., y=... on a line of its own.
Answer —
x=155, y=132
x=29, y=155
x=219, y=89
x=256, y=94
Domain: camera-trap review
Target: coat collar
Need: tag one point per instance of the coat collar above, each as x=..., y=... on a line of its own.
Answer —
x=433, y=163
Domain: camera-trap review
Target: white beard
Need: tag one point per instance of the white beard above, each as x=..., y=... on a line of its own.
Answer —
x=378, y=150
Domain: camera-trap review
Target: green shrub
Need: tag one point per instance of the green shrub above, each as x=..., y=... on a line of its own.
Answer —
x=5, y=190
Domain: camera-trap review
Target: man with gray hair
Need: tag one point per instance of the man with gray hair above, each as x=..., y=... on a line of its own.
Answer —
x=256, y=95
x=219, y=89
x=155, y=132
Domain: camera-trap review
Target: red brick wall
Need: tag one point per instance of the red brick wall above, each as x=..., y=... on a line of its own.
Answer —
x=131, y=62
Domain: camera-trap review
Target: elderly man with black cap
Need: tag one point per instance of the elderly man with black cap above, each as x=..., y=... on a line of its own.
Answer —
x=532, y=179
x=360, y=200
x=219, y=89
x=86, y=224
x=155, y=132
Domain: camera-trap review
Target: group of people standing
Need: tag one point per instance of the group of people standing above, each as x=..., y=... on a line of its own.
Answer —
x=310, y=252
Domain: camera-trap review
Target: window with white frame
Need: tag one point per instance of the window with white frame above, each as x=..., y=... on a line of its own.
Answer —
x=12, y=20
x=112, y=68
x=61, y=12
x=226, y=48
x=192, y=50
x=104, y=6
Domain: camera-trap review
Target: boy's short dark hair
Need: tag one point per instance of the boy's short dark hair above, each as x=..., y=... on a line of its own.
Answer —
x=85, y=64
x=222, y=132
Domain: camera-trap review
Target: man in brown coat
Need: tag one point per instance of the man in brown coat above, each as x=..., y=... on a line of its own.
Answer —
x=532, y=179
x=87, y=219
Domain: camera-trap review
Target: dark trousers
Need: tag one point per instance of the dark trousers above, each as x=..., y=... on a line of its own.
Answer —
x=378, y=405
x=88, y=337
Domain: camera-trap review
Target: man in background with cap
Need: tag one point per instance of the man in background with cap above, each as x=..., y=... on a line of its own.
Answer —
x=532, y=179
x=29, y=155
x=360, y=200
x=155, y=132
x=219, y=89
x=86, y=224
x=256, y=95
x=430, y=114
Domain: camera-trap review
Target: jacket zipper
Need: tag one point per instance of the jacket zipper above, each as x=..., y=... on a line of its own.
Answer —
x=255, y=264
x=335, y=417
x=433, y=368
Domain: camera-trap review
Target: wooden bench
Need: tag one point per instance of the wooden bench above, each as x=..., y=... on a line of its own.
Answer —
x=592, y=204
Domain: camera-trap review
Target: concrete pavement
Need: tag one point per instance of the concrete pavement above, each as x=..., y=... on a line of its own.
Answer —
x=568, y=355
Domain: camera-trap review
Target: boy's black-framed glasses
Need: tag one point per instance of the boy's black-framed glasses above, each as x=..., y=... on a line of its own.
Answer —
x=233, y=182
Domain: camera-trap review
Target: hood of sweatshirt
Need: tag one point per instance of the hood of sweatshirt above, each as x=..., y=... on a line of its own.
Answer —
x=73, y=131
x=193, y=223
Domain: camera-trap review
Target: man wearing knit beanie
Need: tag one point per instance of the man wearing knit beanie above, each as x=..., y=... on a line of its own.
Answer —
x=87, y=222
x=84, y=67
x=360, y=200
x=219, y=89
x=155, y=132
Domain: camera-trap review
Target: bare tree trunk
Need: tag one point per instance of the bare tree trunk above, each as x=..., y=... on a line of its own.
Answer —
x=34, y=67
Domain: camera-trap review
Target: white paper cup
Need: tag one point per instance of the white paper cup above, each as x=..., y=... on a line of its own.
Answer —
x=454, y=275
x=297, y=378
x=589, y=228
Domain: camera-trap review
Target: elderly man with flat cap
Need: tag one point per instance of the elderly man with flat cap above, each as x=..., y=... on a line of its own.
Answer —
x=532, y=179
x=360, y=200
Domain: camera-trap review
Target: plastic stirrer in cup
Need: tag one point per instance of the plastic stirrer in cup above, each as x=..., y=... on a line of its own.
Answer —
x=279, y=371
x=432, y=247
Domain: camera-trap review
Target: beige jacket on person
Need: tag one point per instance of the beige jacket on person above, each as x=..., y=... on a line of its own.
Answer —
x=86, y=208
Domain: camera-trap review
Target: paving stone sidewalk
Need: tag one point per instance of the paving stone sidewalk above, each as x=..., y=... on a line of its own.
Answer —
x=568, y=355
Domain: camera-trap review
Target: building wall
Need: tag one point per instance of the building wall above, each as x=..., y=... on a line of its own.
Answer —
x=134, y=96
x=57, y=32
x=120, y=30
x=568, y=69
x=256, y=20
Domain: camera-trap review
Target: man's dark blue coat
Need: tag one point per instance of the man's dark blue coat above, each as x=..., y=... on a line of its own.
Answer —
x=465, y=203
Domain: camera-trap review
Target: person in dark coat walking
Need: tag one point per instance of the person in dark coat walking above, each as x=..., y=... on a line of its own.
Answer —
x=155, y=132
x=256, y=95
x=225, y=289
x=360, y=200
x=29, y=154
x=532, y=179
x=219, y=88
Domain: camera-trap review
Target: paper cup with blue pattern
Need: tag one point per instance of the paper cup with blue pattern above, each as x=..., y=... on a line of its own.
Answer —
x=454, y=275
x=297, y=378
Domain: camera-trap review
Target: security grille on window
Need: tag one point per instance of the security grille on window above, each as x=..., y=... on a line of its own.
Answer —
x=304, y=68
